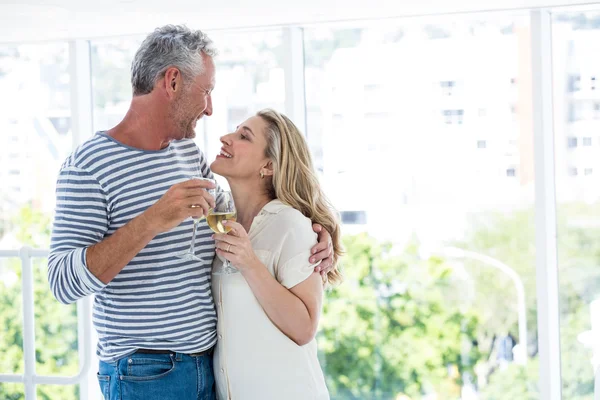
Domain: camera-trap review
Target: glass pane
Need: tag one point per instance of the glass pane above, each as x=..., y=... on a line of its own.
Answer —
x=56, y=331
x=35, y=121
x=421, y=130
x=12, y=391
x=576, y=69
x=111, y=79
x=11, y=319
x=55, y=328
x=36, y=124
x=249, y=77
x=63, y=392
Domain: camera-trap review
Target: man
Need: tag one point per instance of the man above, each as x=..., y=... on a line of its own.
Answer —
x=124, y=199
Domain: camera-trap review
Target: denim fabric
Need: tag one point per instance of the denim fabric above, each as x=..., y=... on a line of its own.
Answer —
x=158, y=376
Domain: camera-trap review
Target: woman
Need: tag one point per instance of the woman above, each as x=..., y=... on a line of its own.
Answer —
x=269, y=312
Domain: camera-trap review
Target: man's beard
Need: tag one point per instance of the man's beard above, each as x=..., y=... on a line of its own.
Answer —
x=187, y=129
x=184, y=123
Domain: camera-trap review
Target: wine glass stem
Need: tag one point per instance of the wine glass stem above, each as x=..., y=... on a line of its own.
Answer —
x=193, y=244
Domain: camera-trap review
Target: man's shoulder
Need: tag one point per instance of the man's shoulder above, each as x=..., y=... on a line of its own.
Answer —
x=89, y=149
x=185, y=143
x=185, y=147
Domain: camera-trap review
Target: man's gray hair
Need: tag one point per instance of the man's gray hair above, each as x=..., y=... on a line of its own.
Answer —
x=169, y=46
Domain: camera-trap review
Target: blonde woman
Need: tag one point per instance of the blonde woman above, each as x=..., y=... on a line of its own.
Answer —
x=268, y=313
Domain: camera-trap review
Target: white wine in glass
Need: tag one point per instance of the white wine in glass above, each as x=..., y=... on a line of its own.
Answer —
x=224, y=210
x=215, y=220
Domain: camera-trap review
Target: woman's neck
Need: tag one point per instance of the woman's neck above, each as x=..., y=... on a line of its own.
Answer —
x=248, y=202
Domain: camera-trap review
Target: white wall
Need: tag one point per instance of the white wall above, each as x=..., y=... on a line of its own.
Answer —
x=65, y=19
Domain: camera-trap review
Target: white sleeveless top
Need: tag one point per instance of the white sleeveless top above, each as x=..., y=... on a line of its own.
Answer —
x=253, y=358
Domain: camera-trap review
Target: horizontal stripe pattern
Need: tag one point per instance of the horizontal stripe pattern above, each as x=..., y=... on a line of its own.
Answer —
x=158, y=301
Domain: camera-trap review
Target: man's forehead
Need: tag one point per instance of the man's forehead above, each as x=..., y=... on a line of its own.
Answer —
x=206, y=79
x=209, y=71
x=208, y=61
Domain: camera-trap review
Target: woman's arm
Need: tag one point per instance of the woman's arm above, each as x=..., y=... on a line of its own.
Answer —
x=295, y=311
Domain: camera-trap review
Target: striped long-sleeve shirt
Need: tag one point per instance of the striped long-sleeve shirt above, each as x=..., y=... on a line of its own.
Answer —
x=159, y=300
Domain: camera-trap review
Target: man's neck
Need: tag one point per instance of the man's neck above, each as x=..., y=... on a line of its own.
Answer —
x=143, y=127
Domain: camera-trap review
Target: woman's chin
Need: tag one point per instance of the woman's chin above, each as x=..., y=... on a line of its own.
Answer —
x=215, y=167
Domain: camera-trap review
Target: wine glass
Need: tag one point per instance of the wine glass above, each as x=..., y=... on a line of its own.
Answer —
x=191, y=253
x=224, y=210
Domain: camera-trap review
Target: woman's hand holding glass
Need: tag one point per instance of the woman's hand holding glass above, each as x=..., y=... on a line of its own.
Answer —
x=235, y=247
x=218, y=218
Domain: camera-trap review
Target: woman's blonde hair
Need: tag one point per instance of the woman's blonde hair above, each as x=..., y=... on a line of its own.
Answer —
x=295, y=182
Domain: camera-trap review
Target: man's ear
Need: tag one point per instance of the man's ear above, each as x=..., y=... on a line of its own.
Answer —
x=173, y=82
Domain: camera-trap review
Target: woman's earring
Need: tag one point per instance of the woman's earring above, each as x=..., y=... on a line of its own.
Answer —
x=262, y=175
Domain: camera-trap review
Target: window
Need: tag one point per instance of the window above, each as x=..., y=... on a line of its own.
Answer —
x=38, y=141
x=354, y=217
x=448, y=87
x=574, y=83
x=439, y=181
x=571, y=142
x=442, y=192
x=111, y=85
x=375, y=94
x=62, y=124
x=573, y=171
x=252, y=63
x=453, y=116
x=513, y=112
x=576, y=111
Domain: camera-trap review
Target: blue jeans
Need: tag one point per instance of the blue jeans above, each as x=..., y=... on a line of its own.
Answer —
x=158, y=376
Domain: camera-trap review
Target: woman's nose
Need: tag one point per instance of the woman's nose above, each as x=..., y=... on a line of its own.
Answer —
x=226, y=139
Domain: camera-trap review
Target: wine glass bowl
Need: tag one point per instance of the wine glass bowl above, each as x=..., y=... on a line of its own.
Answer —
x=224, y=210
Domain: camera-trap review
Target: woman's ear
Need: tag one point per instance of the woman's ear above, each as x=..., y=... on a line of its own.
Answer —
x=267, y=169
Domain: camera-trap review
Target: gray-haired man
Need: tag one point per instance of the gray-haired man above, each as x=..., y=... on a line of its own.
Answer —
x=123, y=206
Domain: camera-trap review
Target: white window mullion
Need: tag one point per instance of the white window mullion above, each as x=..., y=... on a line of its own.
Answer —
x=545, y=207
x=295, y=99
x=28, y=324
x=81, y=91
